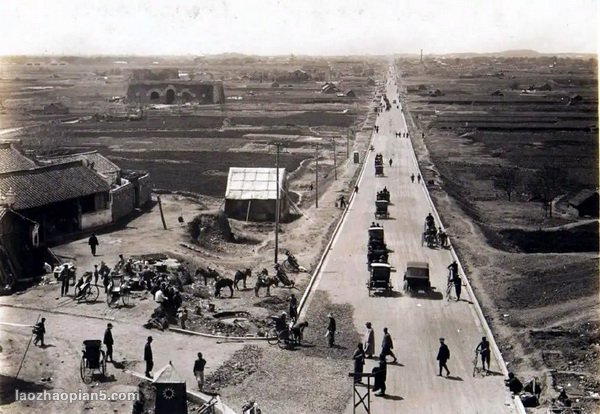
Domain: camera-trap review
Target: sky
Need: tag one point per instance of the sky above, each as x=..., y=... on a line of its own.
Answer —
x=310, y=27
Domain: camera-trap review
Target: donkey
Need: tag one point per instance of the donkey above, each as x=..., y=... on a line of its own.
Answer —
x=223, y=282
x=239, y=275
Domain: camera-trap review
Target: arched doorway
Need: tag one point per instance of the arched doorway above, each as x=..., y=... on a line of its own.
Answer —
x=186, y=97
x=170, y=97
x=154, y=96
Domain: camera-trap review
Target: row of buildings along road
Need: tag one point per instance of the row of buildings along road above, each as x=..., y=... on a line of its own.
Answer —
x=46, y=200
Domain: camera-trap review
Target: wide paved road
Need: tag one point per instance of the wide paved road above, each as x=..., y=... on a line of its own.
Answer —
x=415, y=323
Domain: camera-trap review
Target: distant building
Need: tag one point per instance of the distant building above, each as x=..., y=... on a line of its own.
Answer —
x=251, y=194
x=497, y=92
x=350, y=93
x=11, y=158
x=574, y=99
x=55, y=108
x=128, y=190
x=586, y=202
x=175, y=92
x=275, y=84
x=329, y=88
x=371, y=82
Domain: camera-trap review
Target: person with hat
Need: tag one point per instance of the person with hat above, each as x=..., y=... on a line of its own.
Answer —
x=331, y=328
x=369, y=341
x=148, y=357
x=108, y=341
x=442, y=357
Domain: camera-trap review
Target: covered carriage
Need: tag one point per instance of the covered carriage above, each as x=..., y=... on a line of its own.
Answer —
x=379, y=278
x=416, y=277
x=381, y=209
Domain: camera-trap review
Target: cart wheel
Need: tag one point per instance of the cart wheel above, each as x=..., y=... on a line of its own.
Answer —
x=84, y=370
x=125, y=298
x=92, y=294
x=272, y=336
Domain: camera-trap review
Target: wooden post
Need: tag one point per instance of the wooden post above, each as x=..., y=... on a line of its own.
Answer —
x=277, y=204
x=162, y=216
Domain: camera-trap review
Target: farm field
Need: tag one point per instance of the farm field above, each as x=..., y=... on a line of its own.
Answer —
x=532, y=260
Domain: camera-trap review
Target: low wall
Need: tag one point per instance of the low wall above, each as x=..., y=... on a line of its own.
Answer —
x=96, y=219
x=122, y=201
x=145, y=190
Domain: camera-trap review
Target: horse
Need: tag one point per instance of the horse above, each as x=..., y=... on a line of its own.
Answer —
x=209, y=273
x=222, y=282
x=239, y=275
x=263, y=280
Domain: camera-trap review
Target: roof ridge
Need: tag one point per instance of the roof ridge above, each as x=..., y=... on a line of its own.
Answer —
x=44, y=168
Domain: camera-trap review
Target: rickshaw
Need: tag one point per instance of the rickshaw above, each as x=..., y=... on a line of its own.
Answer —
x=93, y=360
x=381, y=209
x=379, y=278
x=117, y=288
x=416, y=277
x=379, y=170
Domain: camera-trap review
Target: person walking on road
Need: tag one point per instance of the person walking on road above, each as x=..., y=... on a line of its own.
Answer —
x=148, y=357
x=457, y=281
x=419, y=178
x=380, y=373
x=108, y=341
x=442, y=357
x=39, y=331
x=359, y=362
x=356, y=189
x=391, y=161
x=331, y=331
x=93, y=242
x=484, y=350
x=369, y=341
x=412, y=178
x=199, y=365
x=386, y=345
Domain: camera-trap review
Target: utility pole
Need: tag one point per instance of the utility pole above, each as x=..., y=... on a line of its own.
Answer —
x=334, y=160
x=316, y=175
x=277, y=202
x=348, y=142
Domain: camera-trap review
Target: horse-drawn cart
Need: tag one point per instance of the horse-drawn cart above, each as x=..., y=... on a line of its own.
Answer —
x=93, y=360
x=381, y=209
x=384, y=195
x=416, y=277
x=379, y=278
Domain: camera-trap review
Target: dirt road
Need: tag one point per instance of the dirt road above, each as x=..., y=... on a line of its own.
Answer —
x=415, y=323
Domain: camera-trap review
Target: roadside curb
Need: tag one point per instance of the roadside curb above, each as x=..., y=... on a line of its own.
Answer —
x=518, y=405
x=213, y=336
x=339, y=224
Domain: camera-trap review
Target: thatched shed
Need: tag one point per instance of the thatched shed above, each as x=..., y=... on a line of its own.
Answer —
x=252, y=193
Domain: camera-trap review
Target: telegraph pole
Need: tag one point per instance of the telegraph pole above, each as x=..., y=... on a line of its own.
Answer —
x=316, y=175
x=277, y=202
x=334, y=160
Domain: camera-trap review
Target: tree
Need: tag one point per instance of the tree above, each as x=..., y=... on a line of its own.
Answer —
x=548, y=183
x=507, y=180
